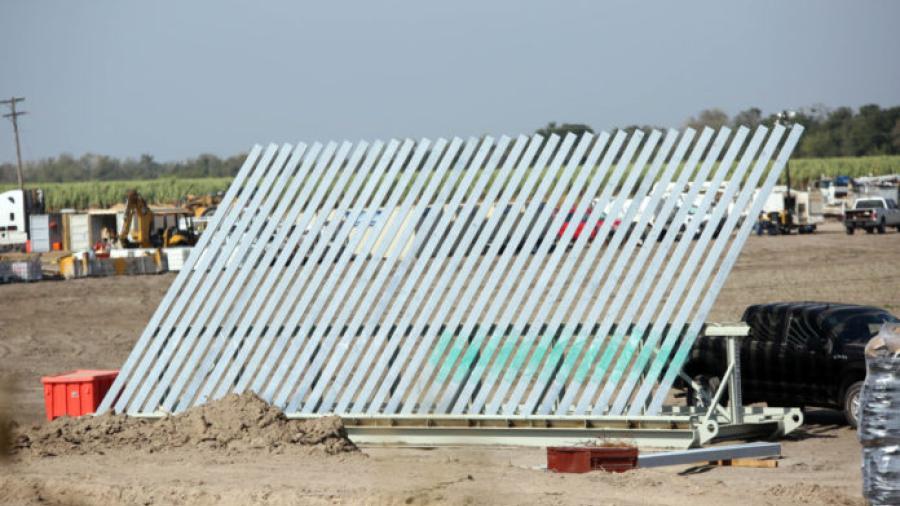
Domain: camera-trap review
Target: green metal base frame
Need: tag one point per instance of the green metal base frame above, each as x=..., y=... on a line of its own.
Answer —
x=676, y=427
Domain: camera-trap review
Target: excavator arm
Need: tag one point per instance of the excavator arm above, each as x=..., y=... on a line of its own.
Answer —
x=136, y=208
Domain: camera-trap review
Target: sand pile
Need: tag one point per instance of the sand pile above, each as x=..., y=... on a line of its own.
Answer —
x=234, y=423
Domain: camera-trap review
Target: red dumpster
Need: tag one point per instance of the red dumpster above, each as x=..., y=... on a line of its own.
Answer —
x=75, y=393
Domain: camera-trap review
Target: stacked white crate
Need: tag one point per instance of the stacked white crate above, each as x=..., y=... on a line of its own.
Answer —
x=21, y=270
x=176, y=257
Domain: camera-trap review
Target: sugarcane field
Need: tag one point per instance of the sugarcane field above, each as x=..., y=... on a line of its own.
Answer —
x=293, y=285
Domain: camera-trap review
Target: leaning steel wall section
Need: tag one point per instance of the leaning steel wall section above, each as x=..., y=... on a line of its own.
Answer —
x=517, y=277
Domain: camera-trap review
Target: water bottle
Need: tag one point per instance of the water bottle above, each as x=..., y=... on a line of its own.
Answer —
x=879, y=418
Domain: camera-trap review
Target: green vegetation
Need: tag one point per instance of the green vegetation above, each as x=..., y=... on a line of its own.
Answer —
x=836, y=142
x=102, y=194
x=92, y=167
x=804, y=170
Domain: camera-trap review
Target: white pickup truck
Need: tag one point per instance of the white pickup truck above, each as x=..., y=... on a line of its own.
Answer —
x=871, y=214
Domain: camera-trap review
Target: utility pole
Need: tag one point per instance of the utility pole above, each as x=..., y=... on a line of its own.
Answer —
x=13, y=116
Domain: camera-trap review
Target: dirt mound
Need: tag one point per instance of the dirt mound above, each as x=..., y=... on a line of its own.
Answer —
x=234, y=423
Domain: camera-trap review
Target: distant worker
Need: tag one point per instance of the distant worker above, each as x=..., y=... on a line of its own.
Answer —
x=762, y=223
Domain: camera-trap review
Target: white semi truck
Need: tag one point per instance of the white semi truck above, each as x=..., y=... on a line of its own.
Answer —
x=15, y=208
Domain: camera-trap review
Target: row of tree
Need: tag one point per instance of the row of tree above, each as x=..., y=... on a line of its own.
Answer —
x=829, y=132
x=92, y=167
x=870, y=131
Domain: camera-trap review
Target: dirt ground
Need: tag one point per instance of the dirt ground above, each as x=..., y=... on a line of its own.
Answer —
x=54, y=326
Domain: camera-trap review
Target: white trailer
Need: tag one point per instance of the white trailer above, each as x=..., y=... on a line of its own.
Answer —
x=15, y=207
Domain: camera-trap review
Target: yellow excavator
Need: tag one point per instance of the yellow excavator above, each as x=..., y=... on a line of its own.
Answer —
x=202, y=205
x=142, y=236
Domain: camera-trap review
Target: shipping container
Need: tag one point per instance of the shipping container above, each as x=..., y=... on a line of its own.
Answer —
x=77, y=232
x=99, y=220
x=45, y=231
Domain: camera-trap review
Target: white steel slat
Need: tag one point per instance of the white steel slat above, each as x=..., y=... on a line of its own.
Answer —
x=498, y=152
x=486, y=226
x=405, y=278
x=486, y=293
x=602, y=281
x=493, y=374
x=638, y=294
x=319, y=348
x=427, y=341
x=366, y=322
x=265, y=302
x=378, y=284
x=673, y=262
x=430, y=257
x=544, y=385
x=333, y=236
x=537, y=265
x=391, y=346
x=443, y=225
x=513, y=227
x=243, y=263
x=570, y=297
x=728, y=263
x=177, y=285
x=306, y=284
x=613, y=342
x=285, y=217
x=558, y=362
x=711, y=259
x=201, y=307
x=483, y=152
x=475, y=182
x=546, y=341
x=162, y=333
x=364, y=290
x=526, y=346
x=411, y=366
x=474, y=371
x=528, y=233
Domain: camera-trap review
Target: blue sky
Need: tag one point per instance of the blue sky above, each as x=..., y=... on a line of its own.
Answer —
x=176, y=79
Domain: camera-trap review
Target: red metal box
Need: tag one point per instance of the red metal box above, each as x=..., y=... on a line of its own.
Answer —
x=75, y=393
x=581, y=459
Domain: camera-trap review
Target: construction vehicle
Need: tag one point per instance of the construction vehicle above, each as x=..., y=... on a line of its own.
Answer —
x=786, y=211
x=202, y=205
x=144, y=228
x=136, y=211
x=834, y=190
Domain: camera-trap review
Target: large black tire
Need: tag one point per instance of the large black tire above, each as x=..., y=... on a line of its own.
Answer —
x=881, y=227
x=850, y=230
x=851, y=403
x=870, y=230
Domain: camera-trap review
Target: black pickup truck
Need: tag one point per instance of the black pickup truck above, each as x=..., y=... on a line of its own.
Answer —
x=798, y=354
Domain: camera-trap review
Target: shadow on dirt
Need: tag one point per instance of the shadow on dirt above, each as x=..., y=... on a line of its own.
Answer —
x=819, y=424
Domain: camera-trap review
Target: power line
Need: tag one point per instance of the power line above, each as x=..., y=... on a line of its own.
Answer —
x=14, y=116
